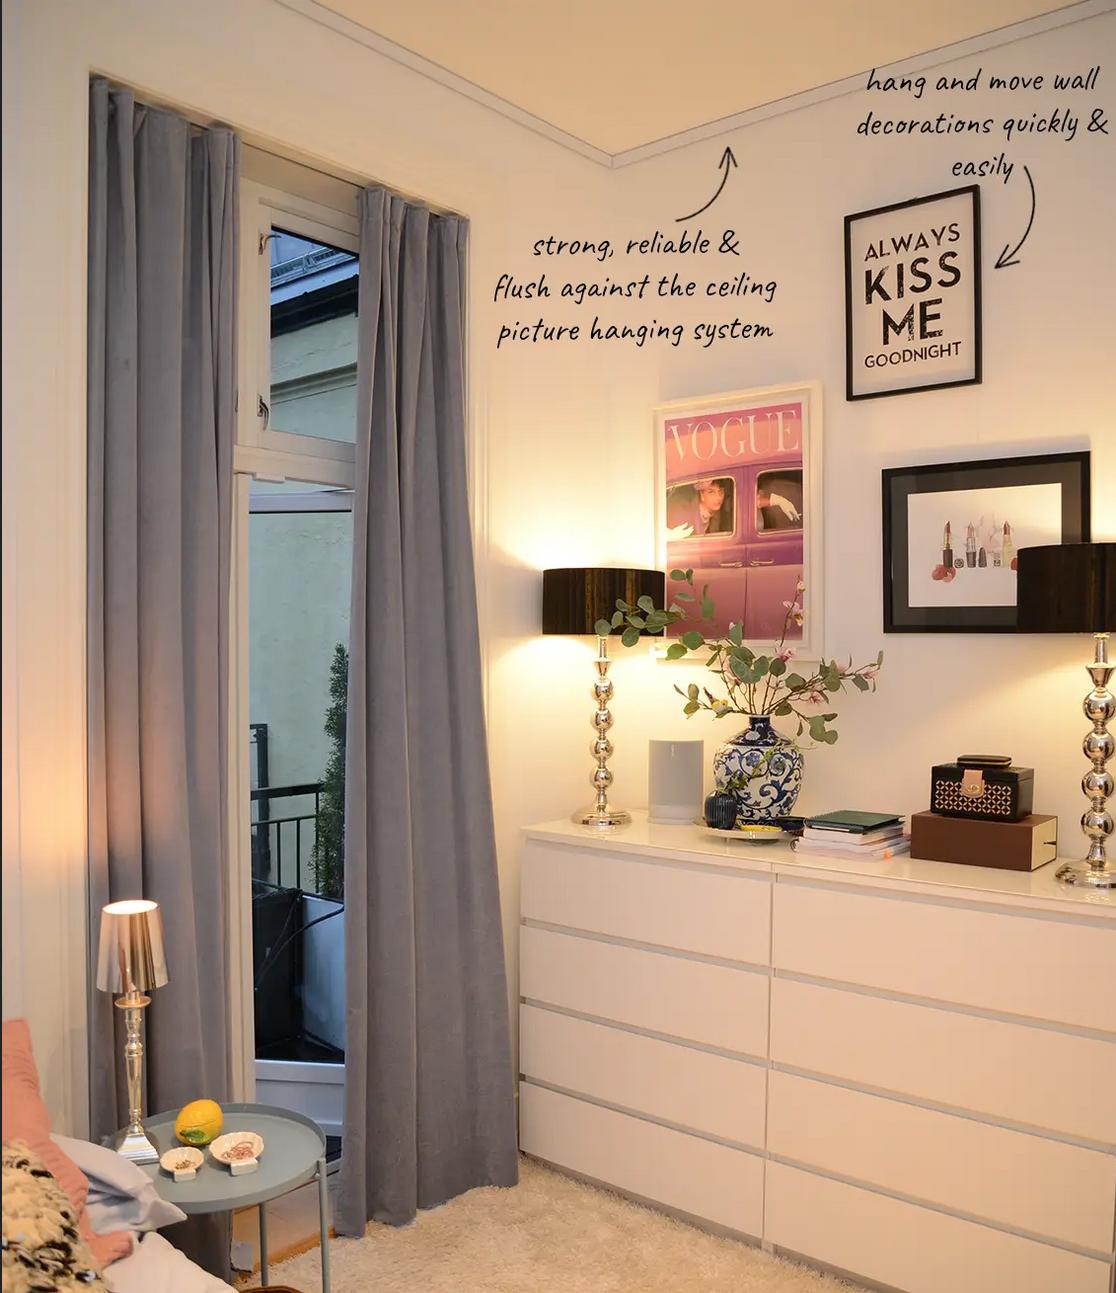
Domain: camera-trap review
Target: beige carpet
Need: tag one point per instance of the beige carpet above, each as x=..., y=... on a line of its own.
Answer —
x=549, y=1235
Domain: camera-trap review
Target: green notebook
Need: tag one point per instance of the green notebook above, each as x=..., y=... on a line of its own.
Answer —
x=855, y=823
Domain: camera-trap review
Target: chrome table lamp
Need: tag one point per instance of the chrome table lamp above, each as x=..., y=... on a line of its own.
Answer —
x=1071, y=588
x=131, y=961
x=574, y=601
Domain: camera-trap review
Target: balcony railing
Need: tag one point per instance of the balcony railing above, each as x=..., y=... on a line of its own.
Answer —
x=299, y=830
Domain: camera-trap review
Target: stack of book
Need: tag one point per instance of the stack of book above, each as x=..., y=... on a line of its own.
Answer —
x=848, y=834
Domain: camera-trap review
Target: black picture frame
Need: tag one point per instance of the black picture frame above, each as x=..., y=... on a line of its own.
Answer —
x=1069, y=470
x=973, y=190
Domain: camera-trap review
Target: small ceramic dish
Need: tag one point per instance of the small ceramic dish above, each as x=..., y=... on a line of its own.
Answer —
x=182, y=1163
x=751, y=834
x=239, y=1151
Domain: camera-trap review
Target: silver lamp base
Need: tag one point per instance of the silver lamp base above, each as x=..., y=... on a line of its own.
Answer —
x=136, y=1148
x=603, y=817
x=1089, y=877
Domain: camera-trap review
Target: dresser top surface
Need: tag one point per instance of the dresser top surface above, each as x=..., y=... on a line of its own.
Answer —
x=691, y=844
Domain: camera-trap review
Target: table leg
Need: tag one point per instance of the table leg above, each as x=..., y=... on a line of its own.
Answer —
x=263, y=1244
x=323, y=1221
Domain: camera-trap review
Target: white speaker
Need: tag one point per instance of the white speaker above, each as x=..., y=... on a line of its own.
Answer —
x=676, y=778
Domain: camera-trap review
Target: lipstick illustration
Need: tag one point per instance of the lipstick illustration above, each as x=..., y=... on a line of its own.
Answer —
x=1008, y=550
x=947, y=547
x=970, y=545
x=982, y=557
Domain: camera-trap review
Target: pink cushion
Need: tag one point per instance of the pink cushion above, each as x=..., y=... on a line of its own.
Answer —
x=26, y=1118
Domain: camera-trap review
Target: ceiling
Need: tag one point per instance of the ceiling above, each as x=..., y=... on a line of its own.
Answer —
x=618, y=74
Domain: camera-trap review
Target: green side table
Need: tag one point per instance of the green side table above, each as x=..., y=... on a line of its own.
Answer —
x=294, y=1154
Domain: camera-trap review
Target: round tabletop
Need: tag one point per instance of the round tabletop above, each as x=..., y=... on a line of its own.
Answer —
x=293, y=1147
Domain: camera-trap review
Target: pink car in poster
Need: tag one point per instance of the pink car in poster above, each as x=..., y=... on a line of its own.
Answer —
x=735, y=511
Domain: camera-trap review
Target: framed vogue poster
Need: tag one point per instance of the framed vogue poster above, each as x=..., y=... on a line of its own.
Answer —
x=739, y=503
x=912, y=295
x=952, y=531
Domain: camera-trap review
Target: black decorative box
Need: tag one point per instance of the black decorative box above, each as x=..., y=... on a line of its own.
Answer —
x=986, y=787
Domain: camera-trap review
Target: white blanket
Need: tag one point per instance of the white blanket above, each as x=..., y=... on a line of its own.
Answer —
x=156, y=1267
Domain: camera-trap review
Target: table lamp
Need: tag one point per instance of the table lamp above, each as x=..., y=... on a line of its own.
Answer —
x=1071, y=588
x=574, y=600
x=131, y=961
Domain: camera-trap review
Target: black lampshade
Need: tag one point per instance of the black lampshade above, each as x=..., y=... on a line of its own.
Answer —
x=575, y=598
x=1067, y=588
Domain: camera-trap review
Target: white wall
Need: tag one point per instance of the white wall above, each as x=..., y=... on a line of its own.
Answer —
x=562, y=450
x=278, y=77
x=1048, y=355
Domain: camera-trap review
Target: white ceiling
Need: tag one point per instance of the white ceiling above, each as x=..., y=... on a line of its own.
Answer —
x=618, y=74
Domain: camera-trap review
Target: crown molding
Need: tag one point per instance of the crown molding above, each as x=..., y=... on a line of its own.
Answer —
x=317, y=12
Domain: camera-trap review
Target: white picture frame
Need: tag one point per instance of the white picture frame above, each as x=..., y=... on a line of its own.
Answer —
x=741, y=439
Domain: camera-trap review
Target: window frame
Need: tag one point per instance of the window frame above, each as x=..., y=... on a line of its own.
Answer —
x=262, y=454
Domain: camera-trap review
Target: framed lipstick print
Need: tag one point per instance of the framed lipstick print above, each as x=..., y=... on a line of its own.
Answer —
x=952, y=531
x=912, y=295
x=739, y=503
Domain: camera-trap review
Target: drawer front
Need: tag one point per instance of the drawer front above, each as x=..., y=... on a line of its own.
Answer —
x=696, y=1090
x=1010, y=1072
x=713, y=1004
x=1026, y=1182
x=914, y=1249
x=692, y=909
x=1040, y=968
x=696, y=1176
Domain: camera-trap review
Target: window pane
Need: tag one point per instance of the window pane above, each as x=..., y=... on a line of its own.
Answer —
x=299, y=565
x=313, y=337
x=779, y=499
x=701, y=507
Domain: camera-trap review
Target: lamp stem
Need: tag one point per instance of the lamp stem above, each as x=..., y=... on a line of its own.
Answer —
x=1096, y=872
x=135, y=1144
x=602, y=815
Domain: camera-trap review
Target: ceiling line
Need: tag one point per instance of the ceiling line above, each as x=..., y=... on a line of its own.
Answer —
x=1009, y=34
x=351, y=30
x=319, y=13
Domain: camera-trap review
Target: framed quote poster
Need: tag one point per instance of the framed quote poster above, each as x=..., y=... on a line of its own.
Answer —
x=739, y=503
x=912, y=295
x=952, y=531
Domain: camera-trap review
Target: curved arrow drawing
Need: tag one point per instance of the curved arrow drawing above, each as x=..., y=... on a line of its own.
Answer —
x=727, y=160
x=1005, y=258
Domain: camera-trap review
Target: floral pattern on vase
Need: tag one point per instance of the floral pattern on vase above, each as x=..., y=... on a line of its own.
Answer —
x=762, y=769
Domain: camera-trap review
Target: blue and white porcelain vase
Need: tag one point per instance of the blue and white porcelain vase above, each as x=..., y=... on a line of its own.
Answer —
x=776, y=763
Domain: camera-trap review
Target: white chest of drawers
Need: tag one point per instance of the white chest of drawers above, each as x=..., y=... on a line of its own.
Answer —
x=904, y=1071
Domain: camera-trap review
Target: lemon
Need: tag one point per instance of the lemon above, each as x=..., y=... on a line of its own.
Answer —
x=199, y=1122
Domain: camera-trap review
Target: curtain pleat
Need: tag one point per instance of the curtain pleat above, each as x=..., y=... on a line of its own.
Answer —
x=161, y=408
x=429, y=1108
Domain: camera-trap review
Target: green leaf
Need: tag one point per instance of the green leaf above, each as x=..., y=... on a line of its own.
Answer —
x=679, y=690
x=736, y=634
x=830, y=738
x=685, y=597
x=777, y=668
x=630, y=637
x=691, y=707
x=692, y=691
x=708, y=610
x=761, y=666
x=637, y=621
x=678, y=574
x=674, y=609
x=693, y=640
x=860, y=683
x=879, y=659
x=781, y=711
x=690, y=575
x=645, y=603
x=622, y=605
x=617, y=619
x=742, y=670
x=795, y=681
x=602, y=628
x=744, y=653
x=675, y=652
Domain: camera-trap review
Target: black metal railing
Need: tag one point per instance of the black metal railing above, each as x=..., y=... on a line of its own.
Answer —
x=298, y=830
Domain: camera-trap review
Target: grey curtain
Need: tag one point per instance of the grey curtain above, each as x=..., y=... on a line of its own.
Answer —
x=428, y=1081
x=161, y=407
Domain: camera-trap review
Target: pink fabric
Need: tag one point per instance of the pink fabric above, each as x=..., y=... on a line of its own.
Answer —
x=25, y=1117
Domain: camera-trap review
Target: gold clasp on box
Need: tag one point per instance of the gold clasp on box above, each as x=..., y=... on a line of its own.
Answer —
x=972, y=783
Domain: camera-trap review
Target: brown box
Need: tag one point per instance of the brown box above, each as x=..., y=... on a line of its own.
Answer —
x=1024, y=845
